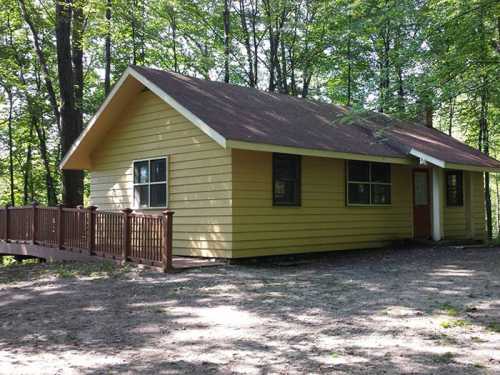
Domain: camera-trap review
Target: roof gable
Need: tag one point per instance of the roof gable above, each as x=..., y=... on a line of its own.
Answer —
x=243, y=117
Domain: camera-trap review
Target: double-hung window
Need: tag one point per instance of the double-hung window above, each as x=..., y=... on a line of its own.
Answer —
x=150, y=183
x=368, y=183
x=454, y=188
x=286, y=180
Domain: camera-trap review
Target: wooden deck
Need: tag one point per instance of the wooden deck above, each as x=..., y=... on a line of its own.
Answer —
x=62, y=233
x=51, y=254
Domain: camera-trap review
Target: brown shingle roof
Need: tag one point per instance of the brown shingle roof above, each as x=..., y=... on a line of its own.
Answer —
x=246, y=114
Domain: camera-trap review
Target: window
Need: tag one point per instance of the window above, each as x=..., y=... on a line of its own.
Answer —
x=150, y=183
x=454, y=188
x=286, y=180
x=368, y=183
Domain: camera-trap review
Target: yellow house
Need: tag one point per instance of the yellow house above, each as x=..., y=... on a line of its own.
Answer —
x=250, y=173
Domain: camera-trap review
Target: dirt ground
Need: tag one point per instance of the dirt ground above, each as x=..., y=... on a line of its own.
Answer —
x=412, y=311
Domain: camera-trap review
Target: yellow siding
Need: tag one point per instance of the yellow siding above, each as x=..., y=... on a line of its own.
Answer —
x=223, y=199
x=478, y=213
x=323, y=222
x=199, y=174
x=455, y=218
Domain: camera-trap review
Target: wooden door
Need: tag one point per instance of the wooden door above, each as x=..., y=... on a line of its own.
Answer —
x=421, y=204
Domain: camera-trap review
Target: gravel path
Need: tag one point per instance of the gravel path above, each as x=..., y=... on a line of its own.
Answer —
x=418, y=311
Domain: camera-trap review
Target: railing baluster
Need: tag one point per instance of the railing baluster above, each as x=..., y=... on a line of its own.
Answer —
x=126, y=234
x=7, y=219
x=60, y=227
x=91, y=229
x=34, y=223
x=167, y=240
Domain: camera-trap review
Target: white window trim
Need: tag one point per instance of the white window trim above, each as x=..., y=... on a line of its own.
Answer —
x=135, y=205
x=370, y=183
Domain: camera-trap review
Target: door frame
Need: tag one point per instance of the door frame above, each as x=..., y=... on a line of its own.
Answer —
x=429, y=199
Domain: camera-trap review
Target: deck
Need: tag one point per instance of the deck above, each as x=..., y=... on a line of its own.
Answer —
x=88, y=234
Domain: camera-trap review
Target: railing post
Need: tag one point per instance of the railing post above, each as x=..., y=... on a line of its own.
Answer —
x=34, y=226
x=167, y=240
x=60, y=226
x=91, y=229
x=126, y=234
x=7, y=224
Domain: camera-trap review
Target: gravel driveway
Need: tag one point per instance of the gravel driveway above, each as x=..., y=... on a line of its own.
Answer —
x=406, y=310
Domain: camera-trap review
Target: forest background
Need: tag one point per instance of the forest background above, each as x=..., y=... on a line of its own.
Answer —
x=435, y=61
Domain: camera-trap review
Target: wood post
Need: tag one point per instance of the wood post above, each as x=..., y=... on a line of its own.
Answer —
x=34, y=226
x=167, y=240
x=60, y=226
x=127, y=230
x=7, y=218
x=91, y=229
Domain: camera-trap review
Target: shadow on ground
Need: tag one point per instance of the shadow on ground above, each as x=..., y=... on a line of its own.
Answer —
x=417, y=310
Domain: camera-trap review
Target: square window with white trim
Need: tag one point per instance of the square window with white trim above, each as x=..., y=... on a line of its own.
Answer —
x=368, y=183
x=150, y=183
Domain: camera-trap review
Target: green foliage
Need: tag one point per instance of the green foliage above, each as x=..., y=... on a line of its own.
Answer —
x=444, y=358
x=69, y=270
x=494, y=327
x=450, y=309
x=396, y=56
x=455, y=323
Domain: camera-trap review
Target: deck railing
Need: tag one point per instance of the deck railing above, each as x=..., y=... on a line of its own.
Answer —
x=125, y=236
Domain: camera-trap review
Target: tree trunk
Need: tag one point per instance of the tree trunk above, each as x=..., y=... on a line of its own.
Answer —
x=11, y=156
x=227, y=30
x=70, y=119
x=349, y=72
x=133, y=25
x=450, y=116
x=77, y=59
x=307, y=82
x=44, y=154
x=27, y=172
x=255, y=43
x=246, y=41
x=107, y=51
x=284, y=71
x=483, y=126
x=173, y=25
x=349, y=64
x=143, y=33
x=43, y=64
x=498, y=205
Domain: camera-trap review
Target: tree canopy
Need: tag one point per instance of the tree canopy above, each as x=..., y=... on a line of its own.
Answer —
x=430, y=60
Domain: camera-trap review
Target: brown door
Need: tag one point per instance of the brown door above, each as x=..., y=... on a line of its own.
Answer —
x=421, y=204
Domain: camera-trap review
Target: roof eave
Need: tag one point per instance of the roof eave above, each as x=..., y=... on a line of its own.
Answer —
x=447, y=165
x=252, y=146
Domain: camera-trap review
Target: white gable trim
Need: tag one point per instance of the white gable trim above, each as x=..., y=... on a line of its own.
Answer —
x=156, y=90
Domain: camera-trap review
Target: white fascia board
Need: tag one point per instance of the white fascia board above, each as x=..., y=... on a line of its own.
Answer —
x=94, y=118
x=472, y=168
x=180, y=108
x=445, y=165
x=430, y=159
